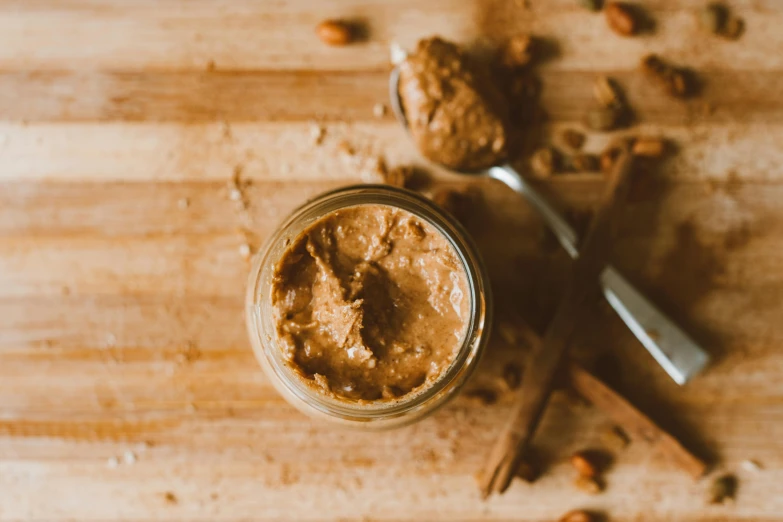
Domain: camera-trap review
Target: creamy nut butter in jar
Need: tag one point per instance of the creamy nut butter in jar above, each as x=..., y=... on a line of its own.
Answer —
x=369, y=306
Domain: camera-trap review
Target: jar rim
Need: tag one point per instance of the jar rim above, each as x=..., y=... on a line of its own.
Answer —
x=264, y=336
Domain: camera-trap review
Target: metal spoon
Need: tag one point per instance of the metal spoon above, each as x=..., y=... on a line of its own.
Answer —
x=672, y=348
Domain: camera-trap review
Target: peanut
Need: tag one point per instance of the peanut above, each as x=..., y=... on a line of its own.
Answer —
x=620, y=19
x=588, y=485
x=517, y=51
x=733, y=28
x=543, y=162
x=602, y=118
x=583, y=465
x=577, y=516
x=573, y=139
x=722, y=489
x=584, y=163
x=605, y=92
x=648, y=147
x=334, y=32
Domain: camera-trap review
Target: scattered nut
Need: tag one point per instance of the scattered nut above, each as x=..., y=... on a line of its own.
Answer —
x=733, y=28
x=573, y=139
x=244, y=251
x=482, y=396
x=334, y=32
x=615, y=437
x=648, y=147
x=592, y=5
x=589, y=485
x=722, y=489
x=399, y=176
x=672, y=79
x=620, y=19
x=583, y=464
x=129, y=457
x=183, y=203
x=512, y=375
x=751, y=465
x=527, y=471
x=712, y=17
x=543, y=162
x=379, y=110
x=606, y=92
x=517, y=52
x=317, y=133
x=345, y=149
x=577, y=516
x=609, y=156
x=584, y=163
x=602, y=118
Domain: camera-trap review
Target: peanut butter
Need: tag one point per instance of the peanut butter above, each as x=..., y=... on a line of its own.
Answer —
x=371, y=304
x=455, y=113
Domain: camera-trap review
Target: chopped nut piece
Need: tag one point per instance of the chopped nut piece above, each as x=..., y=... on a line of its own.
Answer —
x=334, y=32
x=584, y=163
x=588, y=485
x=482, y=396
x=399, y=176
x=648, y=147
x=518, y=51
x=183, y=203
x=621, y=19
x=615, y=438
x=543, y=162
x=712, y=17
x=573, y=139
x=129, y=457
x=527, y=471
x=607, y=159
x=345, y=148
x=583, y=464
x=733, y=28
x=512, y=375
x=592, y=5
x=602, y=118
x=751, y=465
x=606, y=92
x=722, y=489
x=672, y=79
x=577, y=516
x=317, y=134
x=244, y=251
x=379, y=110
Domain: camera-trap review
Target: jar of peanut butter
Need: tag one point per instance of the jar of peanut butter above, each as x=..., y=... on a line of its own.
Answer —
x=369, y=306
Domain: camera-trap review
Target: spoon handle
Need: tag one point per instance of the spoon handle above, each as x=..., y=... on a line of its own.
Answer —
x=672, y=348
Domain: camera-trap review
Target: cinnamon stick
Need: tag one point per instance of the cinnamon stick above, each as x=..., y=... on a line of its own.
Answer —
x=633, y=421
x=540, y=371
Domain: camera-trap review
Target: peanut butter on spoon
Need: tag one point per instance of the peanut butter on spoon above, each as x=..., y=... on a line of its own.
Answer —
x=456, y=114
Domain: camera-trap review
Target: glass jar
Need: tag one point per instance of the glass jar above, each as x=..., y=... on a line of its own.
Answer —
x=263, y=334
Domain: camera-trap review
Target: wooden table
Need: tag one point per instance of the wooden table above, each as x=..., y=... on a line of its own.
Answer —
x=127, y=385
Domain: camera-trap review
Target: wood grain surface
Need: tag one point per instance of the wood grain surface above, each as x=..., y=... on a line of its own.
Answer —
x=128, y=389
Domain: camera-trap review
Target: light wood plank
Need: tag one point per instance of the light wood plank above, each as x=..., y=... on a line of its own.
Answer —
x=277, y=95
x=180, y=34
x=281, y=151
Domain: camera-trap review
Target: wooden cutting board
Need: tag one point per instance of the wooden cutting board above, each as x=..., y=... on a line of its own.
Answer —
x=127, y=385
